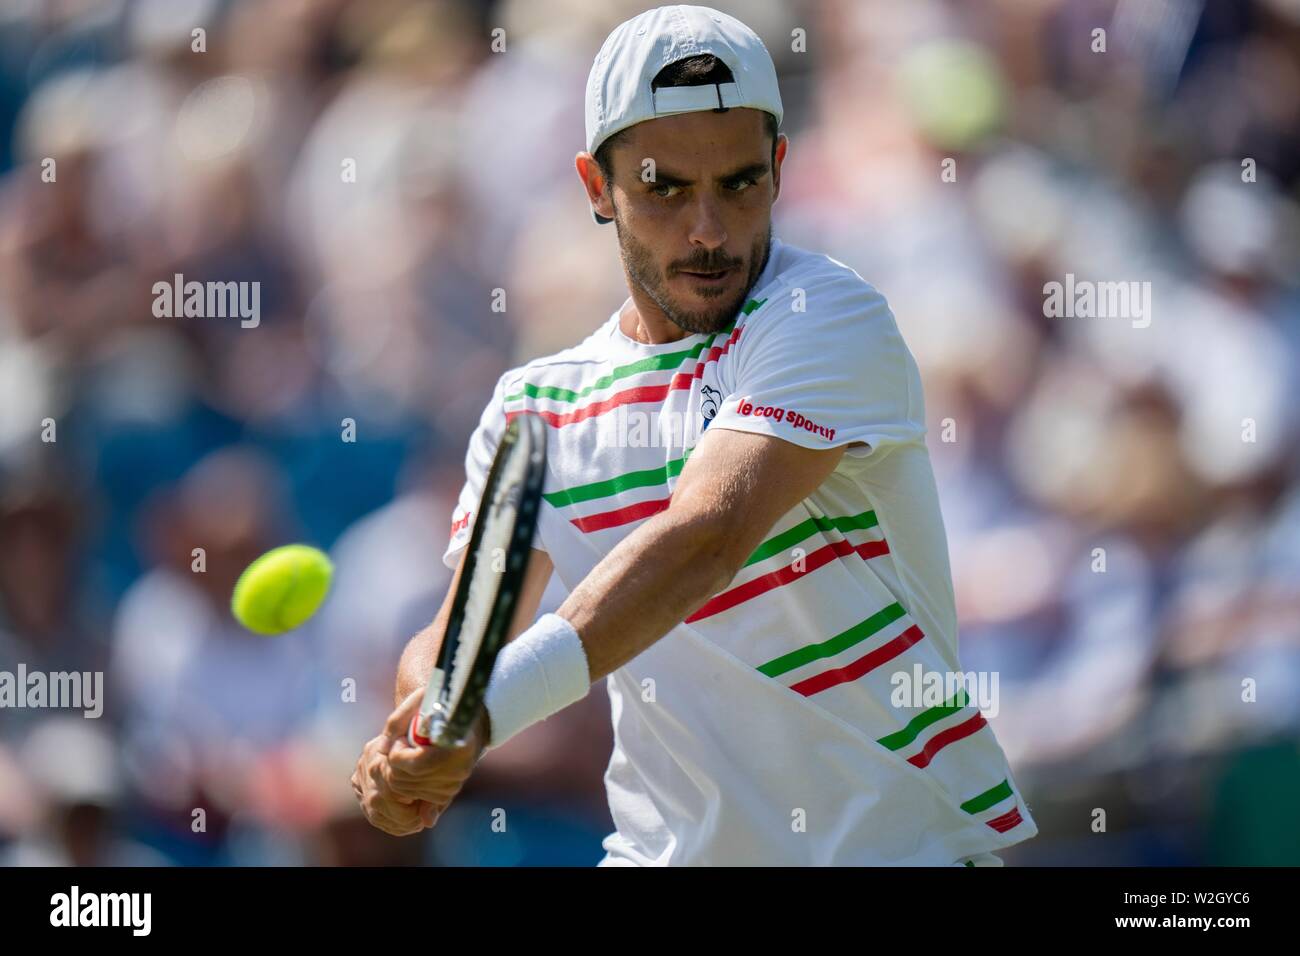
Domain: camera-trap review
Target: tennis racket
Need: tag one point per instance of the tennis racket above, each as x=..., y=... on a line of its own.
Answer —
x=487, y=594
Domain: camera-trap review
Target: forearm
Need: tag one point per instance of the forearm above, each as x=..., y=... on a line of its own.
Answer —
x=422, y=650
x=646, y=586
x=418, y=658
x=733, y=490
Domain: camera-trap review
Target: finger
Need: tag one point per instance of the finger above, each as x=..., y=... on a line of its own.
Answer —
x=392, y=828
x=407, y=750
x=407, y=759
x=360, y=773
x=433, y=783
x=437, y=781
x=417, y=791
x=428, y=813
x=370, y=784
x=376, y=770
x=403, y=755
x=406, y=790
x=399, y=721
x=393, y=818
x=399, y=828
x=378, y=779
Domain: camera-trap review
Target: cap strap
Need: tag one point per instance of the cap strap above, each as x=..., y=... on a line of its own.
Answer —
x=692, y=99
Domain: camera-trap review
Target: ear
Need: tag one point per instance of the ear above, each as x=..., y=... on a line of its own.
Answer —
x=782, y=145
x=593, y=180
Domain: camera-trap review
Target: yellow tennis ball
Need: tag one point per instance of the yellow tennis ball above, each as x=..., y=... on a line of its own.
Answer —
x=281, y=589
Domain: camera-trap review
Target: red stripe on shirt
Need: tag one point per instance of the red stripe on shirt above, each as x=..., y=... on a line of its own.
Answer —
x=717, y=352
x=1007, y=821
x=775, y=579
x=939, y=741
x=631, y=396
x=865, y=663
x=612, y=519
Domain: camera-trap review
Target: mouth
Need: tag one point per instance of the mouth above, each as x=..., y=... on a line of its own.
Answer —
x=715, y=277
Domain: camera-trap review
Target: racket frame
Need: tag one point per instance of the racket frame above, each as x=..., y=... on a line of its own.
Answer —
x=431, y=725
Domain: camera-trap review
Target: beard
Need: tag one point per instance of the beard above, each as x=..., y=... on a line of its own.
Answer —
x=639, y=262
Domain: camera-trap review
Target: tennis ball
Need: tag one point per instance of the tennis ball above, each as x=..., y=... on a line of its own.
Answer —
x=955, y=92
x=281, y=589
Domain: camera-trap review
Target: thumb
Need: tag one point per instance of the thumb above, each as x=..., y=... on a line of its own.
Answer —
x=428, y=813
x=399, y=721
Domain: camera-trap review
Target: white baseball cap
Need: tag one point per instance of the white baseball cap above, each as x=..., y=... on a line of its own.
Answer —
x=618, y=88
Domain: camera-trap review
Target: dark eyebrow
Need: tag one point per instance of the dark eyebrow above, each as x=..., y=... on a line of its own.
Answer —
x=749, y=171
x=752, y=171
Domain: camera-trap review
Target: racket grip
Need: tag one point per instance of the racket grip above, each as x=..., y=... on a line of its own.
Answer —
x=414, y=737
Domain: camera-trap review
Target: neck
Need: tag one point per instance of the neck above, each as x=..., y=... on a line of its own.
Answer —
x=647, y=324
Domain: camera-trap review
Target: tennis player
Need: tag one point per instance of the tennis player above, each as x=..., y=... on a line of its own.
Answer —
x=741, y=505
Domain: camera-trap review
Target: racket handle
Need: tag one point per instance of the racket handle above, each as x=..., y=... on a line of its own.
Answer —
x=414, y=737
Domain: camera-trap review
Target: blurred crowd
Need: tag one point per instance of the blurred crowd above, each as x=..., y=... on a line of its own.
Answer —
x=1122, y=500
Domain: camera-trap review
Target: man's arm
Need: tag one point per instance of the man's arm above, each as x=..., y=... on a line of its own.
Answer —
x=733, y=489
x=409, y=809
x=422, y=650
x=735, y=486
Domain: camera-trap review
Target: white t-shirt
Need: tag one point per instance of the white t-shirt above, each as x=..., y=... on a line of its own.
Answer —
x=761, y=730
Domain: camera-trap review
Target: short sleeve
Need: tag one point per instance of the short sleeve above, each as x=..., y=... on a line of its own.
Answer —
x=478, y=461
x=835, y=373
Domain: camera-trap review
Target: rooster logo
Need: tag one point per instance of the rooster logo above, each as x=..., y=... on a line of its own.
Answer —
x=709, y=406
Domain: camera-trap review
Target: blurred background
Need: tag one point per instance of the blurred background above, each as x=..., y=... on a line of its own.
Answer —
x=1171, y=448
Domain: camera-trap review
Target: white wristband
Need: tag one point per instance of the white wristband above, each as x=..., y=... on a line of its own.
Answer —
x=540, y=672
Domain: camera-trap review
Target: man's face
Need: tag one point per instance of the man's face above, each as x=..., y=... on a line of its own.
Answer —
x=695, y=237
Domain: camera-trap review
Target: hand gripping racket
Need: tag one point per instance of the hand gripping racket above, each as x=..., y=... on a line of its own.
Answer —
x=487, y=594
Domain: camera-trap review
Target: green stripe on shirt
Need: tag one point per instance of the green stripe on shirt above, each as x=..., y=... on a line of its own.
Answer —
x=989, y=798
x=805, y=529
x=899, y=740
x=840, y=642
x=653, y=363
x=612, y=486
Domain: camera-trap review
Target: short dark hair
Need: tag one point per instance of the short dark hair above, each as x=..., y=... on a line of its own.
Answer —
x=704, y=69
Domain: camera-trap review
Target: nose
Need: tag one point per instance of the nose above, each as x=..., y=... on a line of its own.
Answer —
x=707, y=227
